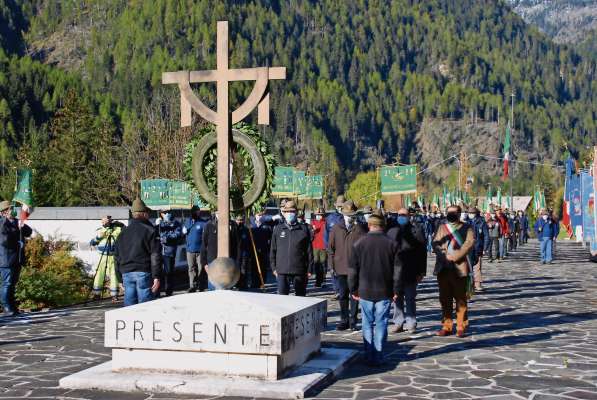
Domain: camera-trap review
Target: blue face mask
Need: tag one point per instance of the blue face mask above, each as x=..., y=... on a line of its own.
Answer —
x=290, y=217
x=402, y=220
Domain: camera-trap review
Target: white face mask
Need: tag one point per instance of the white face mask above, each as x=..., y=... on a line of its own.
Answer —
x=544, y=217
x=366, y=216
x=290, y=217
x=348, y=220
x=257, y=219
x=471, y=216
x=318, y=217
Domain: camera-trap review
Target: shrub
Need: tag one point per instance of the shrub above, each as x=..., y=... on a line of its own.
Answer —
x=51, y=275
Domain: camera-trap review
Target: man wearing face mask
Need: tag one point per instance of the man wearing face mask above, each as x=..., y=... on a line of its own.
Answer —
x=319, y=249
x=452, y=244
x=505, y=227
x=481, y=244
x=262, y=235
x=193, y=229
x=209, y=248
x=367, y=212
x=545, y=230
x=12, y=256
x=291, y=254
x=344, y=235
x=495, y=233
x=413, y=258
x=331, y=220
x=170, y=235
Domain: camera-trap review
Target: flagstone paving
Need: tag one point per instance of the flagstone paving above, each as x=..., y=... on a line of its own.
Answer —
x=533, y=335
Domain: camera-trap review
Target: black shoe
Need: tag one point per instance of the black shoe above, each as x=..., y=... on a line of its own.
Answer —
x=342, y=326
x=192, y=290
x=354, y=328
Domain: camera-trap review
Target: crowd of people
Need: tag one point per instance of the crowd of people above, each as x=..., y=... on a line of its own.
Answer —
x=373, y=258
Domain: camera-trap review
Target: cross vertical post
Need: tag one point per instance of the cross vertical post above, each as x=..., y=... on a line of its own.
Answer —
x=223, y=135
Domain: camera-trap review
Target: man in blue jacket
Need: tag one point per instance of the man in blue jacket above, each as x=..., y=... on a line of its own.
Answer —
x=546, y=231
x=12, y=257
x=193, y=229
x=170, y=235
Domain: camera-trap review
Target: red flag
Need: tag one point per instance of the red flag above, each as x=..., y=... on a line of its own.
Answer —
x=507, y=151
x=566, y=218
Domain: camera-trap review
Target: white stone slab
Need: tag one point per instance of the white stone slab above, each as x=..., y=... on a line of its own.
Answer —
x=218, y=321
x=314, y=373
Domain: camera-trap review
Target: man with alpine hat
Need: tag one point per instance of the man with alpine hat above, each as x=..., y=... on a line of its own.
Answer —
x=482, y=243
x=291, y=254
x=342, y=238
x=138, y=257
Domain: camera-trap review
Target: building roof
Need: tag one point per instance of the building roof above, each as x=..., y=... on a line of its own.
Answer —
x=79, y=213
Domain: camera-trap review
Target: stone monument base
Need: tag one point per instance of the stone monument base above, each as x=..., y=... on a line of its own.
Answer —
x=314, y=373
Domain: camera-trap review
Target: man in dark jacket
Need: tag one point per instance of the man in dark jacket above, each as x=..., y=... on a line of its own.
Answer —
x=170, y=233
x=374, y=280
x=12, y=257
x=344, y=234
x=291, y=254
x=262, y=235
x=138, y=257
x=411, y=240
x=331, y=220
x=482, y=244
x=209, y=248
x=245, y=247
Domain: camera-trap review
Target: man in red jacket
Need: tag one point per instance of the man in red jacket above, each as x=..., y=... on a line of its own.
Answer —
x=505, y=232
x=319, y=250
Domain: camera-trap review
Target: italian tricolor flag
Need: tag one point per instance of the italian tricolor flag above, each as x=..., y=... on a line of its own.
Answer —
x=507, y=151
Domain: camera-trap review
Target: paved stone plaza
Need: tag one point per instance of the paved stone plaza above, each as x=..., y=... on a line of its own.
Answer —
x=533, y=335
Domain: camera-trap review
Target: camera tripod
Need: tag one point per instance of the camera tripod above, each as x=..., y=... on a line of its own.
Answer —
x=105, y=268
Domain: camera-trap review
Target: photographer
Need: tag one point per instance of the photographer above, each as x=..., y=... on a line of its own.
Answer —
x=104, y=241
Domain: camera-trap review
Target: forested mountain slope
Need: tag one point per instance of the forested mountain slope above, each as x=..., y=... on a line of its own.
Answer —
x=362, y=75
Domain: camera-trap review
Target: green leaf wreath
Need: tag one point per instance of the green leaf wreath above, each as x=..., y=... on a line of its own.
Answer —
x=242, y=168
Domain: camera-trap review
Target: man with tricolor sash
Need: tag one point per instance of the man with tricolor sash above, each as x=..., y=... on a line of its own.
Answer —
x=452, y=244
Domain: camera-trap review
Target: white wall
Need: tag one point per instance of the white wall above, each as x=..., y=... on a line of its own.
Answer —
x=81, y=232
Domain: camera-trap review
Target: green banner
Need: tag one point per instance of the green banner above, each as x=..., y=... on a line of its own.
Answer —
x=154, y=192
x=23, y=193
x=283, y=181
x=167, y=194
x=314, y=187
x=179, y=195
x=399, y=179
x=300, y=183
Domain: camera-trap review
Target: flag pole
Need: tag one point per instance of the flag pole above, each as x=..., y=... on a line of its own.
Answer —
x=511, y=148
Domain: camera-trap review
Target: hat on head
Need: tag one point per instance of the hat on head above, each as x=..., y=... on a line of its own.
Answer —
x=349, y=208
x=340, y=200
x=367, y=210
x=376, y=220
x=289, y=206
x=4, y=205
x=319, y=211
x=139, y=206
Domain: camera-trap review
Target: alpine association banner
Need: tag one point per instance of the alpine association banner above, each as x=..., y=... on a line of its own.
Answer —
x=398, y=179
x=588, y=207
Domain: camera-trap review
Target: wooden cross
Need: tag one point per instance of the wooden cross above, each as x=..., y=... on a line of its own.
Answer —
x=222, y=117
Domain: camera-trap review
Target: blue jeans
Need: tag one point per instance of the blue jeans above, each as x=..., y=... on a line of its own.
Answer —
x=7, y=289
x=546, y=247
x=375, y=316
x=406, y=301
x=502, y=247
x=429, y=243
x=137, y=287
